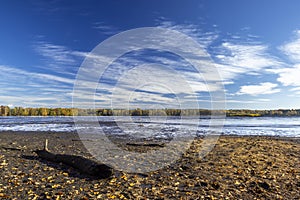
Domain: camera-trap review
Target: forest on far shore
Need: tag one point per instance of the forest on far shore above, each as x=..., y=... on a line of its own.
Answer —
x=21, y=111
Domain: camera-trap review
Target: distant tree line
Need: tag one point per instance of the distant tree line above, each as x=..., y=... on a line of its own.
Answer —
x=152, y=112
x=20, y=111
x=197, y=112
x=263, y=113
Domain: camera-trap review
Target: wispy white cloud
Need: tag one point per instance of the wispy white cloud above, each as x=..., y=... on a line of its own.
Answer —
x=105, y=29
x=240, y=59
x=58, y=58
x=21, y=87
x=192, y=30
x=292, y=48
x=151, y=84
x=249, y=57
x=234, y=58
x=262, y=88
x=295, y=91
x=57, y=53
x=288, y=76
x=20, y=74
x=250, y=101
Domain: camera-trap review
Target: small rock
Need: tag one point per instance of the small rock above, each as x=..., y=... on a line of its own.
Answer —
x=264, y=185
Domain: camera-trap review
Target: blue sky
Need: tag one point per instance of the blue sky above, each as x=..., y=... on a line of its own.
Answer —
x=254, y=44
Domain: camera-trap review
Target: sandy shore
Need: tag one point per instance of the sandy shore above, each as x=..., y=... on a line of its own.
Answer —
x=237, y=168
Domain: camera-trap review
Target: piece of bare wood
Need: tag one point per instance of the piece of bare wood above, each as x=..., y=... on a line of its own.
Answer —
x=12, y=148
x=46, y=145
x=146, y=144
x=84, y=165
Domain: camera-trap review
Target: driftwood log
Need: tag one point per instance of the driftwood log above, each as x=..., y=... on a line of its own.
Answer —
x=82, y=164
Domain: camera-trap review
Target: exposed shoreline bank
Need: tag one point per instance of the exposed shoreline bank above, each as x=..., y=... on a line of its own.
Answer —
x=245, y=167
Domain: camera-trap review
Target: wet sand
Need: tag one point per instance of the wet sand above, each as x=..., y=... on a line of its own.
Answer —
x=237, y=168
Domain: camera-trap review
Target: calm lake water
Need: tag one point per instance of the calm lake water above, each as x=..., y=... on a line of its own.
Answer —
x=159, y=127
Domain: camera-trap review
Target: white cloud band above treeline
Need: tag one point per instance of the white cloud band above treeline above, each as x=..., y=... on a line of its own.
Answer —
x=262, y=88
x=22, y=87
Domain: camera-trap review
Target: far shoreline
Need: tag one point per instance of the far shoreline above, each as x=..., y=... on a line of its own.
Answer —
x=70, y=111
